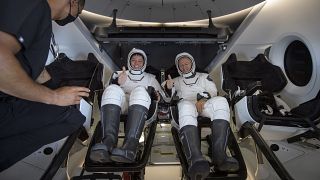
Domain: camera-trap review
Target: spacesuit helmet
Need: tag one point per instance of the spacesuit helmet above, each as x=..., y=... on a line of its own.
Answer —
x=133, y=52
x=193, y=67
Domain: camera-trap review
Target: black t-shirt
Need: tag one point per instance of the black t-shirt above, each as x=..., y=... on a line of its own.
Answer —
x=30, y=22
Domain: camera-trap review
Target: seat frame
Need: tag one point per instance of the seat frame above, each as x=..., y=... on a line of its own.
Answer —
x=233, y=147
x=136, y=169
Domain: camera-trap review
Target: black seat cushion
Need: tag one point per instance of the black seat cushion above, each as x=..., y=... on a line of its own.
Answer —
x=67, y=72
x=243, y=73
x=257, y=102
x=309, y=109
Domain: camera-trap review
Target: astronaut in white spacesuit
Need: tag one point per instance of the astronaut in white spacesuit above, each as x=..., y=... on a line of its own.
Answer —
x=127, y=94
x=198, y=96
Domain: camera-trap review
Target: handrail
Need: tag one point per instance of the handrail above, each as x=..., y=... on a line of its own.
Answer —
x=267, y=152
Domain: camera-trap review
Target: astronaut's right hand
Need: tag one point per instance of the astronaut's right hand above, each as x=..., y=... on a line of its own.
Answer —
x=169, y=82
x=69, y=95
x=200, y=105
x=122, y=76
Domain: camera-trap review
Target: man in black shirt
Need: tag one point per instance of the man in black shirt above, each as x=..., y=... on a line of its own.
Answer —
x=31, y=114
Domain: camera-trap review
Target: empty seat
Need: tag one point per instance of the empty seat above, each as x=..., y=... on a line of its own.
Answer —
x=242, y=79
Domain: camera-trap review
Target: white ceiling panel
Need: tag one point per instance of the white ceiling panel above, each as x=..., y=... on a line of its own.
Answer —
x=167, y=10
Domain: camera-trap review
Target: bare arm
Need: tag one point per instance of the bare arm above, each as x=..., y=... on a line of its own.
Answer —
x=16, y=82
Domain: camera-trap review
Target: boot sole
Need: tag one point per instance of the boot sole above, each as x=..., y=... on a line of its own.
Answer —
x=230, y=165
x=119, y=155
x=100, y=154
x=199, y=170
x=120, y=159
x=232, y=169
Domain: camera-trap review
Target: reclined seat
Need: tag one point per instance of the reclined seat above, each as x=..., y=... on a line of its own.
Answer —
x=251, y=86
x=136, y=169
x=282, y=135
x=204, y=122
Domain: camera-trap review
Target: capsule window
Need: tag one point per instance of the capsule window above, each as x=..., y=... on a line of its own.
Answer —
x=298, y=63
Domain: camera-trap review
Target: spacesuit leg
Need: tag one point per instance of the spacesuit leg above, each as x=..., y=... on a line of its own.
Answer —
x=217, y=108
x=198, y=167
x=139, y=104
x=187, y=114
x=112, y=100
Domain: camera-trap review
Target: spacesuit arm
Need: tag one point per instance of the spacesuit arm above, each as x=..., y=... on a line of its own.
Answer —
x=210, y=86
x=119, y=77
x=160, y=90
x=114, y=78
x=166, y=89
x=168, y=92
x=114, y=81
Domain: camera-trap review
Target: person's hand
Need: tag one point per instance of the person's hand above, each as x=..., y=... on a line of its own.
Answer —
x=122, y=76
x=69, y=95
x=200, y=105
x=169, y=82
x=157, y=96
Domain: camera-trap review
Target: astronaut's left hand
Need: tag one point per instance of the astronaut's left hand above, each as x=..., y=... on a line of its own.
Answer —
x=200, y=105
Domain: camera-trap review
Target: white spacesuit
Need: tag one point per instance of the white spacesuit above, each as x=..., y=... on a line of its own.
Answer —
x=131, y=98
x=192, y=87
